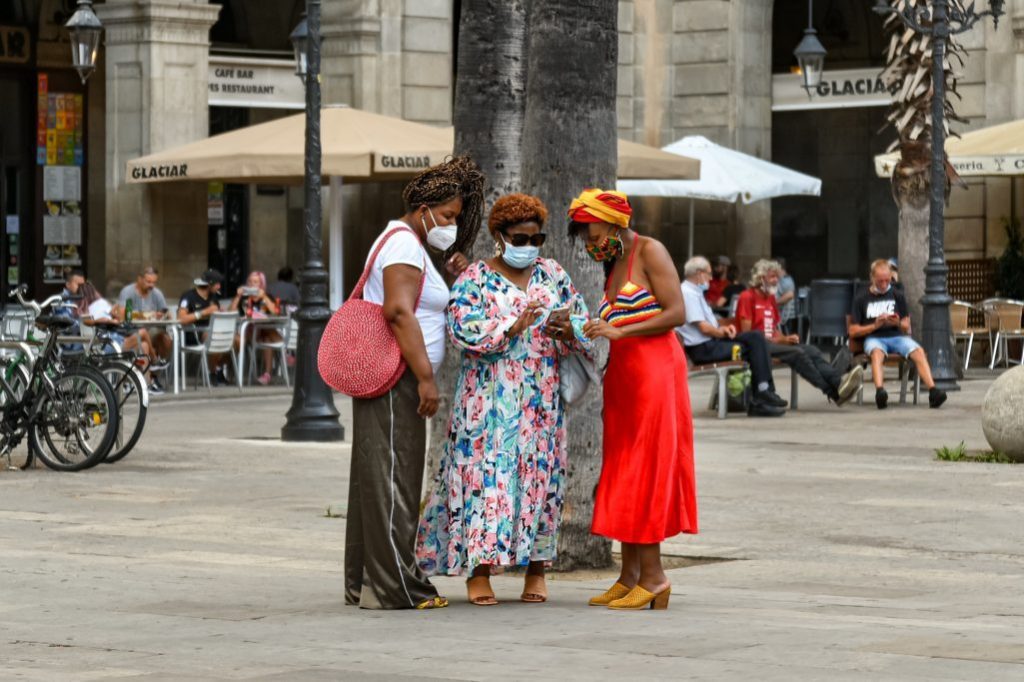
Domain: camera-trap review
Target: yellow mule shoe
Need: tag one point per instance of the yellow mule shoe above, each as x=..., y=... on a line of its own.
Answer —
x=616, y=591
x=639, y=598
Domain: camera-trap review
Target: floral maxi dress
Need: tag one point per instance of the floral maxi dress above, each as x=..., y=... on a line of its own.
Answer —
x=497, y=494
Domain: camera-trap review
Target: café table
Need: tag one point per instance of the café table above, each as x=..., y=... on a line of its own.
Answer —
x=173, y=328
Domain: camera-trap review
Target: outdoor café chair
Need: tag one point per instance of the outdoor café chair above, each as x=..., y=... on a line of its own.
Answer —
x=1006, y=314
x=959, y=312
x=280, y=346
x=220, y=338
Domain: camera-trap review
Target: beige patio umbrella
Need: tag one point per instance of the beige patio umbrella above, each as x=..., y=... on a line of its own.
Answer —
x=356, y=145
x=992, y=151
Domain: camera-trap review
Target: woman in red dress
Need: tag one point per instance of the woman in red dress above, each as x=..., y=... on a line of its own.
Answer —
x=647, y=490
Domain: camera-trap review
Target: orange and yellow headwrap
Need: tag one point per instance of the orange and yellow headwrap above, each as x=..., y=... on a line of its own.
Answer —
x=601, y=206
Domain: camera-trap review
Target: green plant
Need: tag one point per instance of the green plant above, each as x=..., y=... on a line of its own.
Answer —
x=959, y=453
x=1010, y=266
x=948, y=454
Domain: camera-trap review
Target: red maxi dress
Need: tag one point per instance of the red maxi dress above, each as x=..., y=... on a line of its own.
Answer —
x=647, y=490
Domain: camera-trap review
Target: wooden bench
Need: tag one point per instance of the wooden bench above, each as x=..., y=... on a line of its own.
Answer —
x=720, y=390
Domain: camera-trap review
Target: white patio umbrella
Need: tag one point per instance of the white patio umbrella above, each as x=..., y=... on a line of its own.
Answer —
x=725, y=175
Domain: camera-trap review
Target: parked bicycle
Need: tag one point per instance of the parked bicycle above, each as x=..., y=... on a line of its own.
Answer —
x=68, y=412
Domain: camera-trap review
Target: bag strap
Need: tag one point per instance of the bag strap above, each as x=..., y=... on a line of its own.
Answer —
x=357, y=291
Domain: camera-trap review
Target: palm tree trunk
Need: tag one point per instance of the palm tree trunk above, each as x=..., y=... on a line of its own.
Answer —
x=490, y=103
x=569, y=143
x=914, y=212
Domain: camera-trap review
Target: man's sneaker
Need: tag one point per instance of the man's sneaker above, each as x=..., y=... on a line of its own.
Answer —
x=770, y=397
x=158, y=364
x=219, y=378
x=155, y=388
x=881, y=398
x=850, y=384
x=936, y=396
x=759, y=408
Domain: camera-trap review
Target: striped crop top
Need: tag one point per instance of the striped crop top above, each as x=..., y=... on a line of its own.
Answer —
x=633, y=303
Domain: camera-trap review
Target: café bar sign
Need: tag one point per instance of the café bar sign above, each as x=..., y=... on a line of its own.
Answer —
x=254, y=83
x=837, y=90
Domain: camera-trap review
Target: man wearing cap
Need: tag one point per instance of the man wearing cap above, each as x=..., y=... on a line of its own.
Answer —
x=195, y=308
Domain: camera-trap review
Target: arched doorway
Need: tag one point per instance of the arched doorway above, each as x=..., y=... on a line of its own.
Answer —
x=833, y=135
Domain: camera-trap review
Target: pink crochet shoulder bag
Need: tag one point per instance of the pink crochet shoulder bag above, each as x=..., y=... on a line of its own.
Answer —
x=359, y=354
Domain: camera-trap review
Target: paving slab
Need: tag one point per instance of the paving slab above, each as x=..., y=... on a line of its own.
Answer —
x=843, y=550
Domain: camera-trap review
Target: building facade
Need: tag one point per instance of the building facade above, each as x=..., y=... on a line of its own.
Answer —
x=174, y=72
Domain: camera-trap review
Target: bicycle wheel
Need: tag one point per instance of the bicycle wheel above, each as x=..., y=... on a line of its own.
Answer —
x=77, y=421
x=18, y=377
x=132, y=404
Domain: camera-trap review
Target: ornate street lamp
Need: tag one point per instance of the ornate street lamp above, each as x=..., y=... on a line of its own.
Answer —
x=810, y=54
x=300, y=38
x=85, y=29
x=312, y=416
x=941, y=20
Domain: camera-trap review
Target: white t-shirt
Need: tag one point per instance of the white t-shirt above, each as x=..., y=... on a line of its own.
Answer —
x=100, y=309
x=405, y=248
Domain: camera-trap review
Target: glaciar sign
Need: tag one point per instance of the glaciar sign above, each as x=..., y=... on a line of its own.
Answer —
x=837, y=90
x=179, y=170
x=400, y=163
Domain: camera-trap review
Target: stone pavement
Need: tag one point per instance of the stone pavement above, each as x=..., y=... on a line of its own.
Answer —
x=214, y=552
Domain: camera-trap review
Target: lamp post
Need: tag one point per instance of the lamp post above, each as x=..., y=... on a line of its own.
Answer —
x=810, y=54
x=312, y=416
x=943, y=19
x=85, y=29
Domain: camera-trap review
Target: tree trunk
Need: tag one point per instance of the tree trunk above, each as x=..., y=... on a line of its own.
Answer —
x=569, y=143
x=913, y=247
x=911, y=190
x=490, y=103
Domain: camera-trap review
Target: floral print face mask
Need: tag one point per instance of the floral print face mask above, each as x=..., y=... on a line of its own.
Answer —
x=609, y=249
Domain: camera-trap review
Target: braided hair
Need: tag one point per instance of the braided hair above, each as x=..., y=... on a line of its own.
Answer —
x=458, y=176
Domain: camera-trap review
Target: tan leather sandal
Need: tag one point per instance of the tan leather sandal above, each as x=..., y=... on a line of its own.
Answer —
x=480, y=592
x=535, y=590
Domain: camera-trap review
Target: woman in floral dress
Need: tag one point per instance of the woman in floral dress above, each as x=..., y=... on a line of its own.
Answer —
x=497, y=495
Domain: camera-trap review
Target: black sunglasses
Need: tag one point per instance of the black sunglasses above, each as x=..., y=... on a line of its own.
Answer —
x=524, y=239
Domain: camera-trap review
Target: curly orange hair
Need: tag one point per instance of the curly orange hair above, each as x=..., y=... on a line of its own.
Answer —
x=513, y=209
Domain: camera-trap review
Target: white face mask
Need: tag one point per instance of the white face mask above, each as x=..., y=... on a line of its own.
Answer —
x=441, y=238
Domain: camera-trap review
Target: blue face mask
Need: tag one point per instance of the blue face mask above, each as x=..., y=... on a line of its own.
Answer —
x=520, y=257
x=704, y=286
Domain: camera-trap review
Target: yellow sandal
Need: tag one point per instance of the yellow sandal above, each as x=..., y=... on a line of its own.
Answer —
x=616, y=591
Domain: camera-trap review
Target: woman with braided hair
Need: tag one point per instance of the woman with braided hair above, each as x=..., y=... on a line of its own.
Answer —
x=442, y=213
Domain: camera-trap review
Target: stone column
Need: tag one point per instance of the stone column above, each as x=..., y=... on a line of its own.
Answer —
x=157, y=56
x=362, y=62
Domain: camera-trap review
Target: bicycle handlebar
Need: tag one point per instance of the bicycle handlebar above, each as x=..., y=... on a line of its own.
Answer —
x=19, y=293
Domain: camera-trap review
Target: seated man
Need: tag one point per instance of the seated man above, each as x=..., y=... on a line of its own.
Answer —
x=195, y=308
x=880, y=317
x=148, y=302
x=705, y=342
x=758, y=311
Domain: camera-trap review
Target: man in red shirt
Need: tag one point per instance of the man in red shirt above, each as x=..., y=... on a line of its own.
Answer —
x=757, y=310
x=719, y=281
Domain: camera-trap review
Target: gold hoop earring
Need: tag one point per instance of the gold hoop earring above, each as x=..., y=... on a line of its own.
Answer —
x=498, y=250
